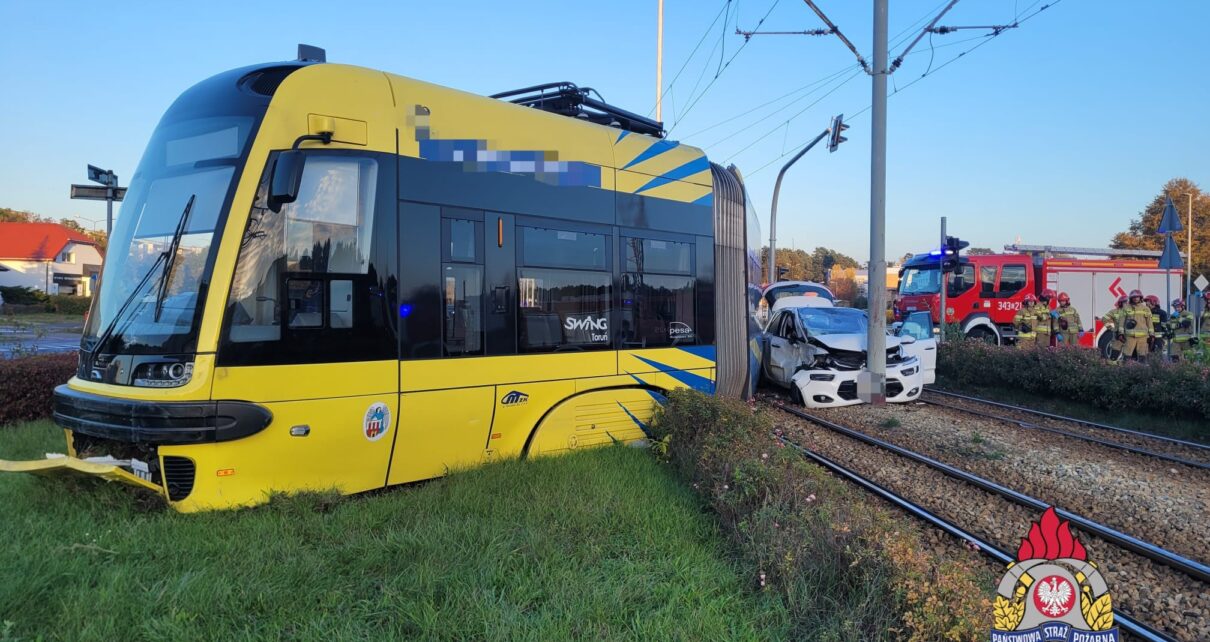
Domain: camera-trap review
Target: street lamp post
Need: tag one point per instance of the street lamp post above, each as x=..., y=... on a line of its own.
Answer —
x=1189, y=253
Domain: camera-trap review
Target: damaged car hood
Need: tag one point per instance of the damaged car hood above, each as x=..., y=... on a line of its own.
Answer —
x=851, y=342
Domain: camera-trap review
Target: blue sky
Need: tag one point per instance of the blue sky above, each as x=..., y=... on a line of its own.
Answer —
x=1057, y=132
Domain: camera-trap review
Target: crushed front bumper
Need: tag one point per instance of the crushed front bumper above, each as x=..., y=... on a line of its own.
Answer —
x=838, y=388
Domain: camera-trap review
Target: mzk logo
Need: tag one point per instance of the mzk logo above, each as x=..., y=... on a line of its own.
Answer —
x=514, y=398
x=1053, y=592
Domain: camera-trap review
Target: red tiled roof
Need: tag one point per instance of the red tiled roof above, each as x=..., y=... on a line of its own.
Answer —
x=36, y=241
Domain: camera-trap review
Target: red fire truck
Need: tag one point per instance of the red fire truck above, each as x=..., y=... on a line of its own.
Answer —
x=985, y=291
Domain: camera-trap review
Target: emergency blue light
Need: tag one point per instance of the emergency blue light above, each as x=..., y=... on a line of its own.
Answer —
x=405, y=310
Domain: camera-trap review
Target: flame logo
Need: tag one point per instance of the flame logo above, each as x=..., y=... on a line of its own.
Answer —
x=1049, y=539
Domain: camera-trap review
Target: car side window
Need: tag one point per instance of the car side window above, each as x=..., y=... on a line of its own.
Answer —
x=918, y=325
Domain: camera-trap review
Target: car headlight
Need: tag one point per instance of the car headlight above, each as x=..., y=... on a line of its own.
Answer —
x=909, y=371
x=165, y=374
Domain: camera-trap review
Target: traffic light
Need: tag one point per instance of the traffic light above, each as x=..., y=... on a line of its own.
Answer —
x=837, y=128
x=782, y=271
x=953, y=248
x=828, y=261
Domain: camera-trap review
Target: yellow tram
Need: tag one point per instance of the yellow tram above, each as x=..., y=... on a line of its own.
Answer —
x=325, y=276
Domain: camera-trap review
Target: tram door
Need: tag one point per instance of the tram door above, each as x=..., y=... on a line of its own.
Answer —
x=311, y=330
x=447, y=311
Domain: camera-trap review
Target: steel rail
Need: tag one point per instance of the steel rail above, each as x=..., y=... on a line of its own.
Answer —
x=1127, y=623
x=1095, y=440
x=1040, y=413
x=1190, y=567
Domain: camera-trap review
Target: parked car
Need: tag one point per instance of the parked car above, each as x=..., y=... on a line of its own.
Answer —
x=817, y=352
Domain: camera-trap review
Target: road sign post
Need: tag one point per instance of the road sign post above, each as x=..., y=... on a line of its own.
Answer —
x=109, y=193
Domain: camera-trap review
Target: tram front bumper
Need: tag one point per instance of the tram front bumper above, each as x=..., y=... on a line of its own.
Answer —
x=72, y=466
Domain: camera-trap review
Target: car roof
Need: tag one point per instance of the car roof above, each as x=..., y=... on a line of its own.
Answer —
x=801, y=302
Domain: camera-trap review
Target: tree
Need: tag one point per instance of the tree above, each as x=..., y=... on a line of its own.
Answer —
x=16, y=216
x=1142, y=236
x=806, y=267
x=979, y=251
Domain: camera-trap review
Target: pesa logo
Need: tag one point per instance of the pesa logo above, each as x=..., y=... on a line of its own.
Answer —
x=514, y=398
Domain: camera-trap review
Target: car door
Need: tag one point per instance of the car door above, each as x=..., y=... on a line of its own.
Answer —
x=785, y=343
x=919, y=327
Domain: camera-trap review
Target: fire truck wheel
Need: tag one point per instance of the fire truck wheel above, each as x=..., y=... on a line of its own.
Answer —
x=982, y=334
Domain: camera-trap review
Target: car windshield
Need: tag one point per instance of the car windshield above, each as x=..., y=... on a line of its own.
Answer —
x=920, y=280
x=821, y=321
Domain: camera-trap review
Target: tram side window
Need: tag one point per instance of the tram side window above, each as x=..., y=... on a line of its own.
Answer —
x=462, y=286
x=305, y=266
x=564, y=290
x=658, y=295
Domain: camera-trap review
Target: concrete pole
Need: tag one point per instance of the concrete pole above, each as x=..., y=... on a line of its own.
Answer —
x=876, y=340
x=941, y=276
x=659, y=63
x=1189, y=254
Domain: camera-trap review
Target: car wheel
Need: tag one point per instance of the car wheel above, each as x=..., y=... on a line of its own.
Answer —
x=983, y=334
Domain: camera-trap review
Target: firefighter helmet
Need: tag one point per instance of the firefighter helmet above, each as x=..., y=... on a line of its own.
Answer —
x=1152, y=300
x=1135, y=293
x=1048, y=294
x=1206, y=295
x=1179, y=304
x=1064, y=298
x=1029, y=298
x=1121, y=301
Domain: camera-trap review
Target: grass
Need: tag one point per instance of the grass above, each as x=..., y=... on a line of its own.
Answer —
x=1190, y=429
x=603, y=544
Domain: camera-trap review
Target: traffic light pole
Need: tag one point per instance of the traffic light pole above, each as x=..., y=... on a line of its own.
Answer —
x=876, y=339
x=773, y=209
x=942, y=274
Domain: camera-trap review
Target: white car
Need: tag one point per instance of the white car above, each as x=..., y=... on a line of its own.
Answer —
x=818, y=351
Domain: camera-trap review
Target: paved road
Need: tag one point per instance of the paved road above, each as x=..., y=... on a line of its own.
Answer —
x=57, y=337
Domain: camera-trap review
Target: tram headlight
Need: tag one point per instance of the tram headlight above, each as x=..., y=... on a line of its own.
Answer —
x=163, y=374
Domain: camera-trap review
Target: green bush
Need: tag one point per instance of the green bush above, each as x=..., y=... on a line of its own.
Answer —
x=845, y=569
x=1170, y=389
x=21, y=295
x=68, y=304
x=27, y=385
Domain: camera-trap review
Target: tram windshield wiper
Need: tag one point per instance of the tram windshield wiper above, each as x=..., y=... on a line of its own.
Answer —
x=170, y=258
x=107, y=334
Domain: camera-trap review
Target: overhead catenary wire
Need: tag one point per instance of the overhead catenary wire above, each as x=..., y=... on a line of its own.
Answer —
x=693, y=103
x=705, y=34
x=984, y=40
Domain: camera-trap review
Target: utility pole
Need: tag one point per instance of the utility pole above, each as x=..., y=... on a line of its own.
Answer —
x=1189, y=253
x=659, y=63
x=875, y=377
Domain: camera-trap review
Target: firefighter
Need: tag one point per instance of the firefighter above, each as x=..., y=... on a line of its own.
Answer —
x=1159, y=323
x=1205, y=319
x=1180, y=328
x=1067, y=321
x=1138, y=329
x=1025, y=322
x=1114, y=321
x=1046, y=317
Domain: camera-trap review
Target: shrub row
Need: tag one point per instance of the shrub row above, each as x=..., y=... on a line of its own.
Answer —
x=21, y=295
x=845, y=568
x=68, y=304
x=27, y=384
x=1169, y=389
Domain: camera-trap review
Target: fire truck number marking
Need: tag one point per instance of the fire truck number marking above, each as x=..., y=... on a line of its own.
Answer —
x=1008, y=305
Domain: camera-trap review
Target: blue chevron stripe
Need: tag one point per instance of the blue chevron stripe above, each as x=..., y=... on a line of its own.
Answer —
x=657, y=148
x=642, y=426
x=695, y=381
x=659, y=398
x=707, y=200
x=621, y=136
x=705, y=352
x=688, y=169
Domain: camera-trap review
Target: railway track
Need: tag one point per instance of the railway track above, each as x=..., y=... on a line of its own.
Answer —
x=1193, y=463
x=1192, y=570
x=1180, y=451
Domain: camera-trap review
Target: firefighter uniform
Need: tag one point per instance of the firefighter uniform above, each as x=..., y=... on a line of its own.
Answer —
x=1025, y=321
x=1205, y=324
x=1115, y=321
x=1180, y=328
x=1045, y=324
x=1068, y=324
x=1137, y=337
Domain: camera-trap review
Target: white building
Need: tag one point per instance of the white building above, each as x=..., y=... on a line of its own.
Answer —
x=48, y=257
